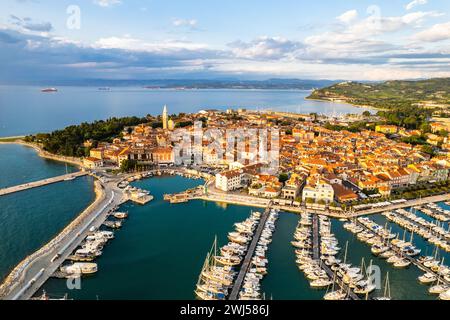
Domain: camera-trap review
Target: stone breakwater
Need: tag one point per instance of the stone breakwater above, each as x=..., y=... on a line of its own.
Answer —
x=18, y=273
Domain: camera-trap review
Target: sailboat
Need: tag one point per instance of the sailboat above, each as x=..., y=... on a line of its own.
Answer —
x=335, y=295
x=212, y=284
x=439, y=287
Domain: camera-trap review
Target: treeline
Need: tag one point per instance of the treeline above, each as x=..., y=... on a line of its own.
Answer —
x=409, y=117
x=70, y=141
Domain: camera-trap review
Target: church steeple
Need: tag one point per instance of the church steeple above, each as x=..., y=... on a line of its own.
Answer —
x=165, y=118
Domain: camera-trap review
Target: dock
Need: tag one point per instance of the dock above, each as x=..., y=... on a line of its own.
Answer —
x=399, y=252
x=44, y=182
x=330, y=273
x=316, y=242
x=248, y=257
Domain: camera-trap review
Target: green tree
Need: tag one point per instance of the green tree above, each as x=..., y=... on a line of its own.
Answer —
x=283, y=177
x=128, y=165
x=428, y=149
x=425, y=128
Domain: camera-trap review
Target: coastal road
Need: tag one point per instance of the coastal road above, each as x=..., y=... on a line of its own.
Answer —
x=220, y=196
x=36, y=272
x=407, y=204
x=44, y=182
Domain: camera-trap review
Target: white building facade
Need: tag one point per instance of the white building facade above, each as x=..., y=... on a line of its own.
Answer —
x=321, y=191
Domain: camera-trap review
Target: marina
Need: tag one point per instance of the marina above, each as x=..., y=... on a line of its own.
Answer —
x=316, y=249
x=236, y=272
x=255, y=285
x=401, y=253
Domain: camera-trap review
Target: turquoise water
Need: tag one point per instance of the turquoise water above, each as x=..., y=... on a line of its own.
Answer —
x=31, y=218
x=403, y=282
x=21, y=164
x=284, y=281
x=160, y=250
x=25, y=110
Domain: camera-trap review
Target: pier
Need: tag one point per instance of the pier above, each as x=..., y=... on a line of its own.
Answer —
x=399, y=252
x=248, y=257
x=316, y=242
x=316, y=256
x=44, y=182
x=33, y=272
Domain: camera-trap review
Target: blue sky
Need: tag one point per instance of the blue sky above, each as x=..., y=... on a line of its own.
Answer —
x=154, y=39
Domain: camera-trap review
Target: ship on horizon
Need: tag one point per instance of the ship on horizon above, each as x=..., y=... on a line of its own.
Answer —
x=49, y=90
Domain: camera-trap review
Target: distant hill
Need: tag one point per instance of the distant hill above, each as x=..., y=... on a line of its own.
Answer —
x=432, y=93
x=298, y=84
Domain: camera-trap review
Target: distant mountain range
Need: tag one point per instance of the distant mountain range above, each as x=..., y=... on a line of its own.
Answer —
x=432, y=93
x=286, y=84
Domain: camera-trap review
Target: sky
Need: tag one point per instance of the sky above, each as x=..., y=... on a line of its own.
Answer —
x=208, y=39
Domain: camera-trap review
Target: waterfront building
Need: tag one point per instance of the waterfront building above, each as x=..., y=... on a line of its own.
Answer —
x=343, y=194
x=92, y=163
x=321, y=191
x=291, y=189
x=163, y=155
x=229, y=180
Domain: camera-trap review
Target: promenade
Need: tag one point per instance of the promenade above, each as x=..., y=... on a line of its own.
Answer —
x=40, y=183
x=215, y=195
x=24, y=281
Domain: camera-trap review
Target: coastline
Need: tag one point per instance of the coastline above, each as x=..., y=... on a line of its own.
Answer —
x=44, y=154
x=347, y=103
x=19, y=272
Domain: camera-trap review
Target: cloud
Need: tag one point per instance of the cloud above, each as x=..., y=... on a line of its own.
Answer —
x=360, y=49
x=107, y=3
x=133, y=44
x=191, y=23
x=363, y=37
x=438, y=32
x=415, y=3
x=348, y=17
x=265, y=48
x=28, y=24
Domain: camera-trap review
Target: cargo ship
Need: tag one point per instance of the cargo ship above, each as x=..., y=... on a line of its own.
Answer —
x=49, y=90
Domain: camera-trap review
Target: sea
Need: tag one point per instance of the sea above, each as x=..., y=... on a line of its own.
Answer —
x=26, y=110
x=160, y=250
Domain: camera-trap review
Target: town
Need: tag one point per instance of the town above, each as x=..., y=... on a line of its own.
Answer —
x=317, y=165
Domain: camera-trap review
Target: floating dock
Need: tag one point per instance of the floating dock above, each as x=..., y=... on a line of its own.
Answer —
x=330, y=273
x=399, y=252
x=248, y=257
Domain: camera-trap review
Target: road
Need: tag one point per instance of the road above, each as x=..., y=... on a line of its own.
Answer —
x=220, y=196
x=43, y=263
x=44, y=182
